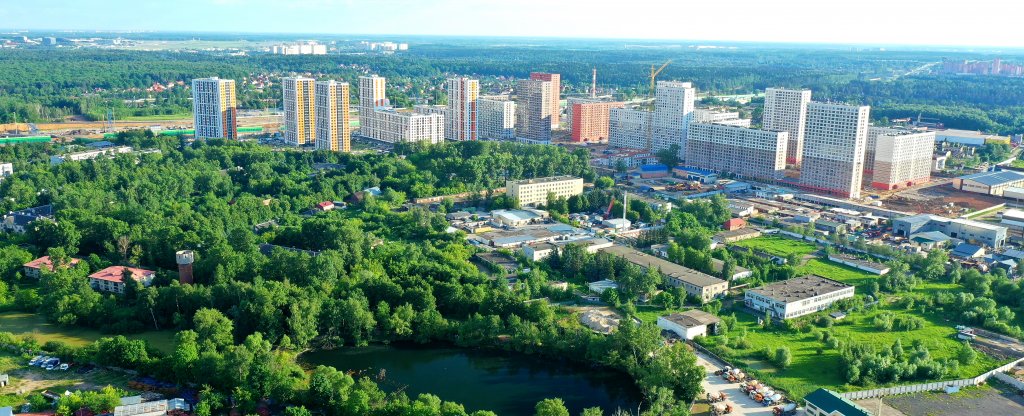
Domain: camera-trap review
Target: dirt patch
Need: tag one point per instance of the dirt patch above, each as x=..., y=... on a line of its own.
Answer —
x=936, y=197
x=981, y=400
x=878, y=407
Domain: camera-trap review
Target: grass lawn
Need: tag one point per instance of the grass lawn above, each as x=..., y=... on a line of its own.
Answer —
x=810, y=370
x=836, y=271
x=778, y=246
x=20, y=323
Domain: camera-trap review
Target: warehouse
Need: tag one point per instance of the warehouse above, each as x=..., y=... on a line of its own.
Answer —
x=990, y=183
x=700, y=285
x=974, y=232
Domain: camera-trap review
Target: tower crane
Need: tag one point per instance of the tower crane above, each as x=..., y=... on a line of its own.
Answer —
x=650, y=98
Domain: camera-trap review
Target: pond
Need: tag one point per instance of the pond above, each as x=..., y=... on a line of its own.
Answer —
x=505, y=383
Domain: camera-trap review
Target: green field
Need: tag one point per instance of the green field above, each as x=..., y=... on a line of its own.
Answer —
x=836, y=271
x=778, y=246
x=810, y=370
x=19, y=323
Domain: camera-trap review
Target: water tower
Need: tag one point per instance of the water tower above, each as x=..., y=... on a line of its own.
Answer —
x=185, y=259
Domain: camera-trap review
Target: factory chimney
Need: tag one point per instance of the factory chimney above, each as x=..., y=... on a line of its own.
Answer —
x=184, y=259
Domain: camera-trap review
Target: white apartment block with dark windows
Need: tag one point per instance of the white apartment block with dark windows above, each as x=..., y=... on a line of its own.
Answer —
x=628, y=128
x=299, y=108
x=673, y=110
x=786, y=110
x=900, y=157
x=497, y=119
x=214, y=108
x=835, y=139
x=379, y=121
x=746, y=152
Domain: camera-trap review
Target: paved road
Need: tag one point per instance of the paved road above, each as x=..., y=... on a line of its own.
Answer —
x=741, y=404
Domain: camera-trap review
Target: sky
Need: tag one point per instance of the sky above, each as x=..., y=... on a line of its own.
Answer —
x=882, y=22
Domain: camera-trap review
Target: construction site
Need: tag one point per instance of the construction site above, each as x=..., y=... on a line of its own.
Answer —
x=940, y=198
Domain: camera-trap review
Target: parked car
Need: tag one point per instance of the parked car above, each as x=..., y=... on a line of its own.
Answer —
x=35, y=360
x=64, y=367
x=48, y=367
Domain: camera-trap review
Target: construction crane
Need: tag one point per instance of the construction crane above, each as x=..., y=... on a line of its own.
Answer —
x=650, y=99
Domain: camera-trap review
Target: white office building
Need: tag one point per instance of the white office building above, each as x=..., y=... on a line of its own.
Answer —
x=835, y=140
x=496, y=119
x=796, y=297
x=299, y=109
x=530, y=192
x=786, y=110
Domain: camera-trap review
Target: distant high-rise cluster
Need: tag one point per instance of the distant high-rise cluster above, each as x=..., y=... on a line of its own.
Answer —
x=214, y=108
x=993, y=67
x=301, y=48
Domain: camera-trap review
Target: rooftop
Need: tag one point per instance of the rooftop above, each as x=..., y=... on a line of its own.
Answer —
x=832, y=403
x=930, y=237
x=697, y=171
x=799, y=288
x=861, y=262
x=667, y=268
x=994, y=178
x=692, y=318
x=116, y=273
x=45, y=263
x=516, y=214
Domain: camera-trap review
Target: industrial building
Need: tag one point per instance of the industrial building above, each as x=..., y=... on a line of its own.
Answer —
x=967, y=137
x=379, y=121
x=333, y=131
x=997, y=183
x=530, y=192
x=835, y=138
x=786, y=110
x=796, y=297
x=590, y=119
x=974, y=232
x=534, y=109
x=742, y=151
x=1013, y=220
x=496, y=119
x=555, y=97
x=690, y=324
x=898, y=158
x=214, y=108
x=697, y=284
x=299, y=109
x=90, y=154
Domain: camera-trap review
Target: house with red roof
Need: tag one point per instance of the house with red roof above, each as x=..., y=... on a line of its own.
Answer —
x=325, y=206
x=734, y=224
x=35, y=268
x=111, y=278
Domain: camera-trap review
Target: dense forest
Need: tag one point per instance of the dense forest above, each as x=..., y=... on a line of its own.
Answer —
x=42, y=84
x=382, y=272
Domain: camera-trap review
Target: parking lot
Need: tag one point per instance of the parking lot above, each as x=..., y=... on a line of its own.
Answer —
x=741, y=404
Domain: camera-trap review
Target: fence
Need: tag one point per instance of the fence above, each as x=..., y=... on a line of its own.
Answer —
x=938, y=385
x=1017, y=384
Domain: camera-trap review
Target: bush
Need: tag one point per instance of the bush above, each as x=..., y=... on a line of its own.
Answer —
x=783, y=357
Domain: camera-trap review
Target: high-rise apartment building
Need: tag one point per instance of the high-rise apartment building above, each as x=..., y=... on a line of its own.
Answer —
x=590, y=118
x=747, y=152
x=673, y=110
x=786, y=110
x=462, y=115
x=628, y=128
x=378, y=121
x=497, y=119
x=214, y=108
x=901, y=158
x=835, y=139
x=533, y=109
x=299, y=109
x=333, y=131
x=556, y=94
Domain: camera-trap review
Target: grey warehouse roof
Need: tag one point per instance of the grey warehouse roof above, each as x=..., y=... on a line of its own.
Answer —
x=995, y=178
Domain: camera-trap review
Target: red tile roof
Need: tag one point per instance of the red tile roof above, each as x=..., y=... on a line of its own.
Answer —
x=45, y=263
x=735, y=223
x=115, y=273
